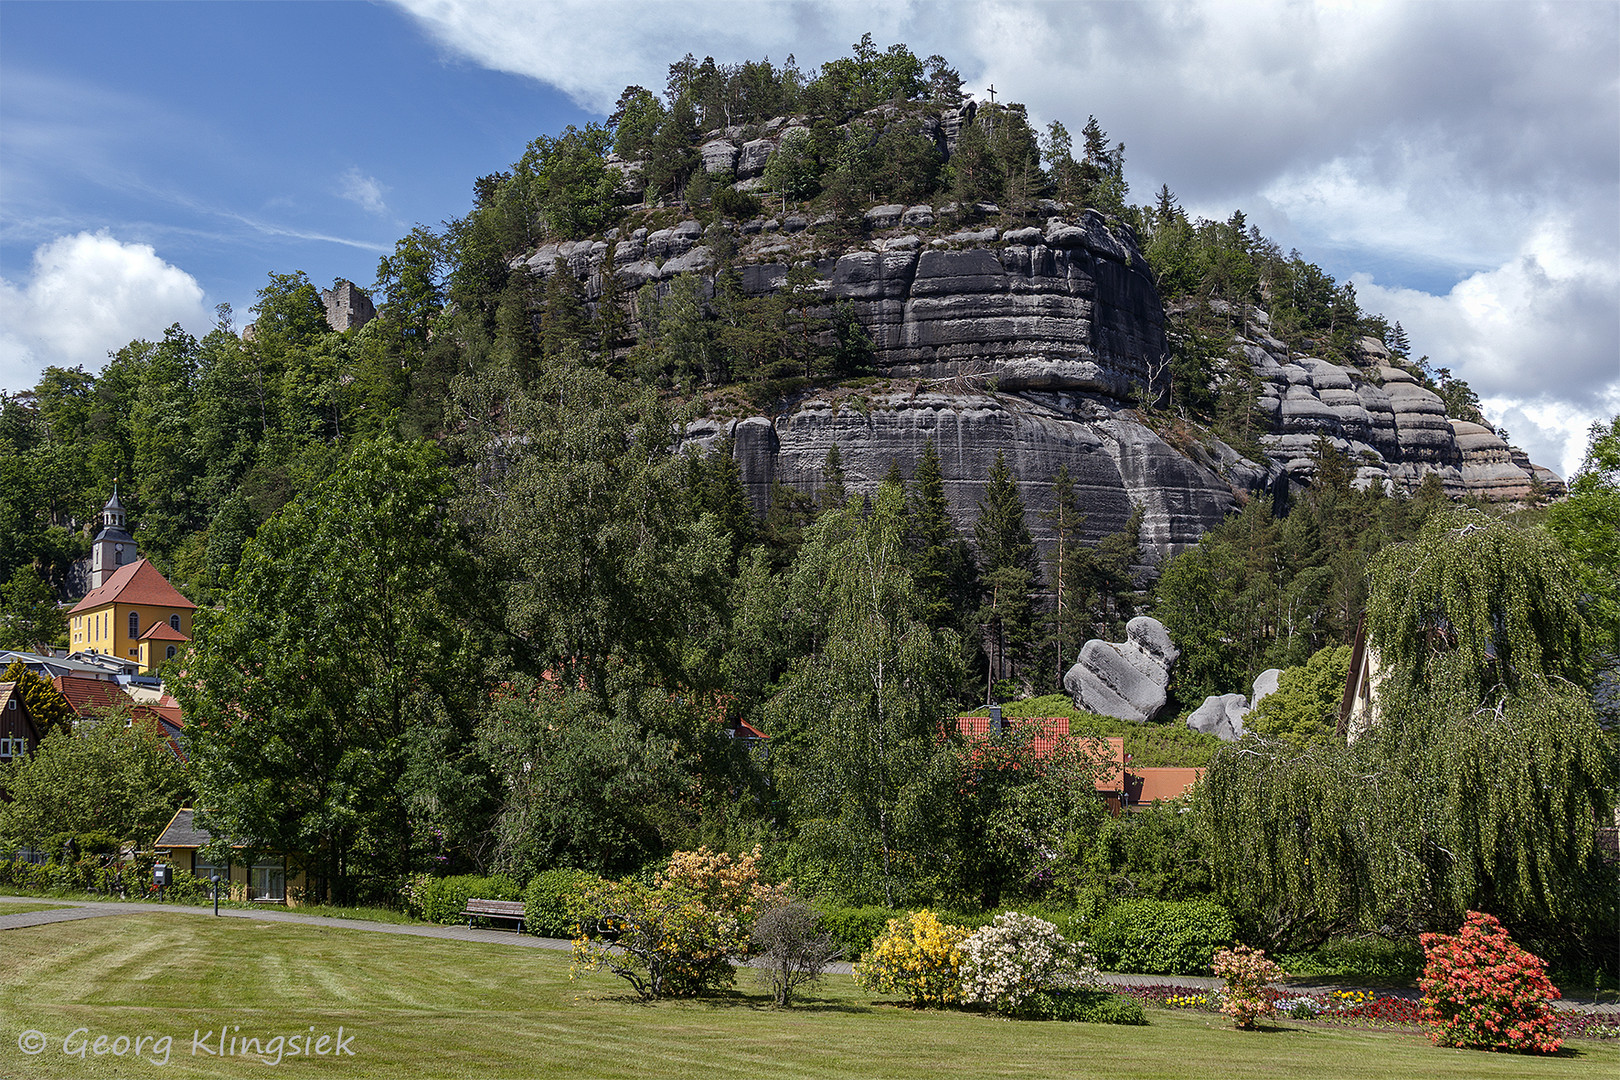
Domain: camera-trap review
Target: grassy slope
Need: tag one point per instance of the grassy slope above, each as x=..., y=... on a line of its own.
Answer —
x=19, y=909
x=1150, y=745
x=452, y=1009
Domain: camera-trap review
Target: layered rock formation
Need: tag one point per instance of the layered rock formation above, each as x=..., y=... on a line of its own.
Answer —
x=1223, y=715
x=1129, y=680
x=1036, y=339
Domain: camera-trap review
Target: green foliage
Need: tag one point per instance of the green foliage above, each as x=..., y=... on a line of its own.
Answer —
x=1162, y=937
x=551, y=902
x=855, y=730
x=1305, y=706
x=1588, y=525
x=46, y=705
x=327, y=706
x=1359, y=961
x=1146, y=745
x=1154, y=852
x=1084, y=1006
x=101, y=777
x=442, y=900
x=853, y=928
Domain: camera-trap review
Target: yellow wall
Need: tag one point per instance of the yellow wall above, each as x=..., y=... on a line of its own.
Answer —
x=106, y=629
x=182, y=859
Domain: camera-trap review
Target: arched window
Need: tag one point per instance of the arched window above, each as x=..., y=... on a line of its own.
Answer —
x=168, y=653
x=174, y=622
x=134, y=624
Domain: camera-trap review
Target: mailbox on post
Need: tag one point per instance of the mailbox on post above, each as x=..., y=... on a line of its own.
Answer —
x=162, y=877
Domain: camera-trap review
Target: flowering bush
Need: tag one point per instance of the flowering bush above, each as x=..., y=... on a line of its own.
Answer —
x=1246, y=997
x=1017, y=955
x=677, y=936
x=917, y=956
x=1482, y=991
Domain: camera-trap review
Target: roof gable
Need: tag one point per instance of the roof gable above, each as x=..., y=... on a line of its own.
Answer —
x=85, y=694
x=137, y=583
x=162, y=631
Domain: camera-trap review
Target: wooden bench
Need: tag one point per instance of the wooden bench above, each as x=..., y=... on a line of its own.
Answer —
x=495, y=909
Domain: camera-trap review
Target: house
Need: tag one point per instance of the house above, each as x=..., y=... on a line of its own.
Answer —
x=1358, y=708
x=1120, y=785
x=267, y=879
x=91, y=699
x=19, y=735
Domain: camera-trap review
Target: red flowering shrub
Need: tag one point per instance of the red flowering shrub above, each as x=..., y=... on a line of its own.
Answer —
x=1482, y=991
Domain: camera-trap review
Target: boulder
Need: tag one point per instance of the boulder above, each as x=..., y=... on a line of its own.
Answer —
x=751, y=160
x=918, y=217
x=886, y=216
x=718, y=156
x=1265, y=684
x=1128, y=680
x=1221, y=716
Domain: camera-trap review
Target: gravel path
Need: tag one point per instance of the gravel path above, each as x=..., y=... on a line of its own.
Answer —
x=96, y=909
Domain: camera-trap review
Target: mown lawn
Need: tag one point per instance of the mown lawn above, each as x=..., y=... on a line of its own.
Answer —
x=420, y=1007
x=10, y=908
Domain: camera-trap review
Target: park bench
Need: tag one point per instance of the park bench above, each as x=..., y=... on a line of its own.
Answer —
x=494, y=909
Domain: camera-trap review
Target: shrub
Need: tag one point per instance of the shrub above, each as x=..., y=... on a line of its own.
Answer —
x=676, y=936
x=442, y=900
x=1246, y=972
x=1083, y=1006
x=1360, y=960
x=1162, y=937
x=550, y=903
x=853, y=929
x=793, y=948
x=916, y=956
x=1018, y=955
x=1482, y=991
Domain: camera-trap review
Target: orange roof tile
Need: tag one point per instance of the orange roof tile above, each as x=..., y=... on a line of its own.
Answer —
x=162, y=631
x=1052, y=731
x=1160, y=782
x=85, y=694
x=137, y=583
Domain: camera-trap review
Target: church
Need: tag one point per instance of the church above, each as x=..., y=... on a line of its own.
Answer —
x=131, y=611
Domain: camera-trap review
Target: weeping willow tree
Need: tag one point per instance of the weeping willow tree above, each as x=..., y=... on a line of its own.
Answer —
x=1480, y=787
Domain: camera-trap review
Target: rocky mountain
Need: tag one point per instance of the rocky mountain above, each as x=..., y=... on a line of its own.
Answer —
x=1043, y=337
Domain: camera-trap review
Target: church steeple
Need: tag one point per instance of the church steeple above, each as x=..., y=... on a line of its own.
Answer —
x=113, y=547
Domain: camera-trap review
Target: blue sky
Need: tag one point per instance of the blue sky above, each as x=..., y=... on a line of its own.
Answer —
x=1460, y=162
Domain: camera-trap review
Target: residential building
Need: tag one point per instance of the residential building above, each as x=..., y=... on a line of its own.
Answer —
x=268, y=879
x=19, y=735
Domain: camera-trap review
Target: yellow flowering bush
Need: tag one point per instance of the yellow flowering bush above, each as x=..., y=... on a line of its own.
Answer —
x=676, y=937
x=916, y=956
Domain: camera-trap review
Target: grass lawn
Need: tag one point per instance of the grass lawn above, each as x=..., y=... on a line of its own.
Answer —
x=422, y=1007
x=18, y=909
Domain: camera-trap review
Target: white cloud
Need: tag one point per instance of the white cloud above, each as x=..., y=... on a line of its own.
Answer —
x=87, y=294
x=362, y=190
x=1538, y=338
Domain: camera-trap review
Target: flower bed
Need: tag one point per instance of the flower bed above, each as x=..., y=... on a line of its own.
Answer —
x=1360, y=1008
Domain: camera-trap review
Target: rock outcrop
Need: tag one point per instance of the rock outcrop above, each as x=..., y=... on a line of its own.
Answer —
x=1129, y=680
x=1221, y=715
x=1038, y=338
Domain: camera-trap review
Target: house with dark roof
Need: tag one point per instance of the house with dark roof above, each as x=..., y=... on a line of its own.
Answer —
x=245, y=875
x=19, y=735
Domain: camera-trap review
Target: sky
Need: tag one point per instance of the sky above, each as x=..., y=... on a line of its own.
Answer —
x=1459, y=162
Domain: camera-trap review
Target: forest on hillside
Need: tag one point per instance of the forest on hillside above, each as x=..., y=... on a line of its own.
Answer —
x=467, y=604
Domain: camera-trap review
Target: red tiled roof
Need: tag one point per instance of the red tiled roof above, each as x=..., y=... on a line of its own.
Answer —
x=137, y=583
x=85, y=694
x=1051, y=733
x=162, y=631
x=1159, y=782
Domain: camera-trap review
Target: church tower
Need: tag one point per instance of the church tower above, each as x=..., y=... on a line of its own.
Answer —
x=113, y=547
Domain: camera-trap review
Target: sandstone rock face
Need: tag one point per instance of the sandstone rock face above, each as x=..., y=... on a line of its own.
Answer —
x=1221, y=716
x=1115, y=461
x=1127, y=680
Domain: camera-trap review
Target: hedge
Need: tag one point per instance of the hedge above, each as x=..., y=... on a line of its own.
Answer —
x=1162, y=937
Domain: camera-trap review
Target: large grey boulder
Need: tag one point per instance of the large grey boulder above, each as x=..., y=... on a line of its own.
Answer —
x=1221, y=716
x=755, y=153
x=718, y=156
x=1265, y=684
x=1129, y=680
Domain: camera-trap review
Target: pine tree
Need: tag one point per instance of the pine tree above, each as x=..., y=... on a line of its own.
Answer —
x=1007, y=564
x=1069, y=619
x=942, y=564
x=832, y=486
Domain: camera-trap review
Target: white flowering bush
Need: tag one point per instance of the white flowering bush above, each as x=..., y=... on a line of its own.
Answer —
x=1017, y=956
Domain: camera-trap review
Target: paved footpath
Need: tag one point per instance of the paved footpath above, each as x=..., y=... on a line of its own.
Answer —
x=96, y=909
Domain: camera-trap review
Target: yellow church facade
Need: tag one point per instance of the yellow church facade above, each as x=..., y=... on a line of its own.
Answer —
x=131, y=611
